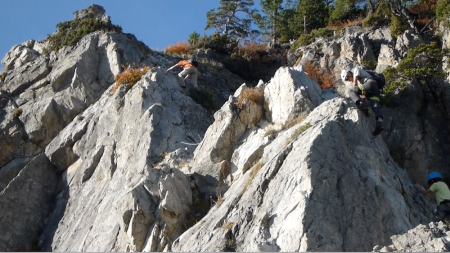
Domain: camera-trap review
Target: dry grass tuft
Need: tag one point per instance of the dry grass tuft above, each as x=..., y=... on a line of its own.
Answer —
x=253, y=171
x=219, y=201
x=293, y=122
x=271, y=130
x=130, y=76
x=251, y=47
x=298, y=132
x=17, y=112
x=254, y=94
x=228, y=226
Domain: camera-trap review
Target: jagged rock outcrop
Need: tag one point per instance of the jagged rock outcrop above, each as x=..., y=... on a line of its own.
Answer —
x=254, y=213
x=416, y=130
x=42, y=94
x=315, y=187
x=433, y=237
x=110, y=154
x=284, y=166
x=288, y=95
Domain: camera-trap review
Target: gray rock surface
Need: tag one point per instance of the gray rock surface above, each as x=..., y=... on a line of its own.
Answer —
x=412, y=124
x=111, y=155
x=294, y=168
x=434, y=237
x=315, y=190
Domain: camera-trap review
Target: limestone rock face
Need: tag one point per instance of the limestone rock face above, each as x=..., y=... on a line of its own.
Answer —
x=414, y=144
x=110, y=156
x=40, y=96
x=26, y=200
x=423, y=238
x=316, y=187
x=285, y=166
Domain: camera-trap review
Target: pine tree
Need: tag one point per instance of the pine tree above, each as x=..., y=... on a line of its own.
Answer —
x=310, y=15
x=270, y=23
x=233, y=18
x=346, y=9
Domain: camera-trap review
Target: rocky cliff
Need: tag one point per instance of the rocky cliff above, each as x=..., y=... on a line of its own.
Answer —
x=283, y=166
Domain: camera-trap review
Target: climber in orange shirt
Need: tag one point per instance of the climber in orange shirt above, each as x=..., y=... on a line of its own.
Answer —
x=189, y=70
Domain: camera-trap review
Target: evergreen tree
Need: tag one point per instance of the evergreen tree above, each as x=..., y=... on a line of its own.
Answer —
x=271, y=22
x=346, y=9
x=310, y=15
x=193, y=38
x=286, y=30
x=233, y=18
x=372, y=5
x=400, y=9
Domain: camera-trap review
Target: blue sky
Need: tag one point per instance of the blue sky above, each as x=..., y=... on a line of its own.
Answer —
x=157, y=23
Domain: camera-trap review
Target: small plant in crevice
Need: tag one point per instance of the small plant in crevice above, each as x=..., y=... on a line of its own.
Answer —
x=230, y=242
x=253, y=94
x=219, y=201
x=228, y=226
x=292, y=122
x=298, y=132
x=130, y=76
x=3, y=76
x=17, y=112
x=253, y=171
x=275, y=129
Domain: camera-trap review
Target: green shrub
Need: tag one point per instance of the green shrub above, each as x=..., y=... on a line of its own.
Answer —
x=397, y=26
x=306, y=39
x=70, y=32
x=443, y=12
x=218, y=43
x=374, y=20
x=423, y=64
x=369, y=64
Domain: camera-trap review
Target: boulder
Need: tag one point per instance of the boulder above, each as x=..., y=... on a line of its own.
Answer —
x=289, y=94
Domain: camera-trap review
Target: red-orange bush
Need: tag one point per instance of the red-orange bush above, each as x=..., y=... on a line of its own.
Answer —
x=251, y=47
x=324, y=77
x=179, y=48
x=130, y=76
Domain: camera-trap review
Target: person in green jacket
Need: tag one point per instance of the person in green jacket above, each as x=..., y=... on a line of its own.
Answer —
x=439, y=191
